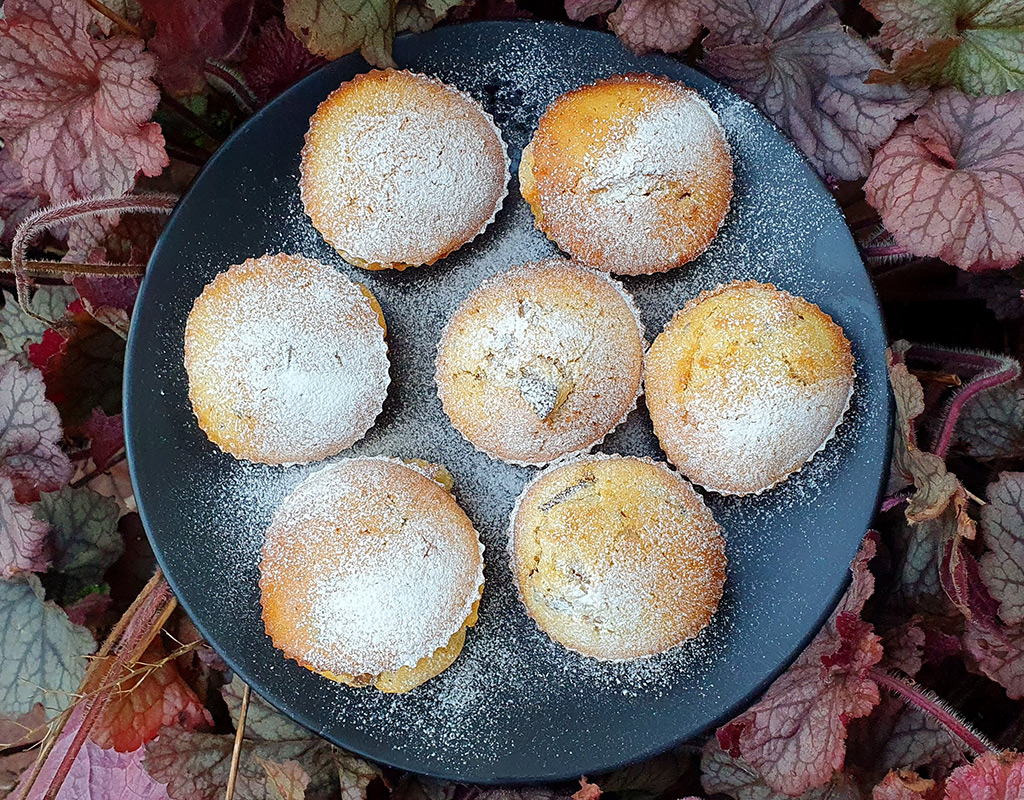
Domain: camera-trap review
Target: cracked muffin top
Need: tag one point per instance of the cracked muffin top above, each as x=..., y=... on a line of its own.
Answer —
x=286, y=360
x=616, y=557
x=371, y=573
x=541, y=361
x=746, y=384
x=400, y=169
x=631, y=174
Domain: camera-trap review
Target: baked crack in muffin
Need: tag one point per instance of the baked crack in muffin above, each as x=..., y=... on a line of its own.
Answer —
x=616, y=557
x=746, y=384
x=631, y=174
x=370, y=574
x=541, y=361
x=286, y=360
x=400, y=169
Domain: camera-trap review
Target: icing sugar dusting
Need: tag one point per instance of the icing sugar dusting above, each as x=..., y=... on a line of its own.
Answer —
x=787, y=421
x=286, y=360
x=391, y=575
x=617, y=557
x=411, y=180
x=555, y=353
x=651, y=192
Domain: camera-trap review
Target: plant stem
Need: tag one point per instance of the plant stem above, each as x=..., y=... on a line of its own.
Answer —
x=46, y=269
x=194, y=156
x=114, y=17
x=117, y=458
x=236, y=751
x=926, y=702
x=191, y=118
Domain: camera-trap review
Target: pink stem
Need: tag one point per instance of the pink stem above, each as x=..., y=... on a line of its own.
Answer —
x=963, y=396
x=238, y=89
x=910, y=693
x=47, y=217
x=884, y=251
x=893, y=501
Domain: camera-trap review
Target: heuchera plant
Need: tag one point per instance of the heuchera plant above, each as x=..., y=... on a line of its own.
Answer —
x=912, y=110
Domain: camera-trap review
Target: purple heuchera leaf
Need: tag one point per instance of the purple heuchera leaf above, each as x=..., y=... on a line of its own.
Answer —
x=951, y=184
x=29, y=432
x=667, y=25
x=75, y=110
x=275, y=59
x=96, y=772
x=992, y=424
x=580, y=10
x=795, y=736
x=795, y=60
x=992, y=776
x=1002, y=528
x=25, y=544
x=721, y=773
x=106, y=436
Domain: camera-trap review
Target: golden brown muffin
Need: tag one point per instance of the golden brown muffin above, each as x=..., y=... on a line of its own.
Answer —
x=631, y=174
x=541, y=361
x=616, y=557
x=370, y=575
x=400, y=169
x=286, y=360
x=745, y=384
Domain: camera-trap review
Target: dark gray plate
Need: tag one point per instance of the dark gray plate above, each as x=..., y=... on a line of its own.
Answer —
x=514, y=707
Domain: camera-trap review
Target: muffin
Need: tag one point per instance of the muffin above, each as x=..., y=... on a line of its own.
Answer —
x=745, y=384
x=370, y=575
x=541, y=361
x=286, y=360
x=400, y=169
x=616, y=557
x=631, y=174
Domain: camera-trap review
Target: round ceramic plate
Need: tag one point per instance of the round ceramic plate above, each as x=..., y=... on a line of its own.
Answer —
x=515, y=706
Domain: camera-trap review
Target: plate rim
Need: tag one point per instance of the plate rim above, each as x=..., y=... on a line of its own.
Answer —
x=133, y=344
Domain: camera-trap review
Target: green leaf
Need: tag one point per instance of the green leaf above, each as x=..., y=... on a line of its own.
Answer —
x=334, y=28
x=195, y=766
x=992, y=424
x=1002, y=528
x=287, y=781
x=19, y=329
x=976, y=45
x=85, y=528
x=43, y=651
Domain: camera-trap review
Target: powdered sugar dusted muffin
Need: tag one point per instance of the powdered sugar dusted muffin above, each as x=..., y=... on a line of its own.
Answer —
x=400, y=169
x=370, y=575
x=616, y=557
x=631, y=174
x=541, y=361
x=286, y=360
x=745, y=384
